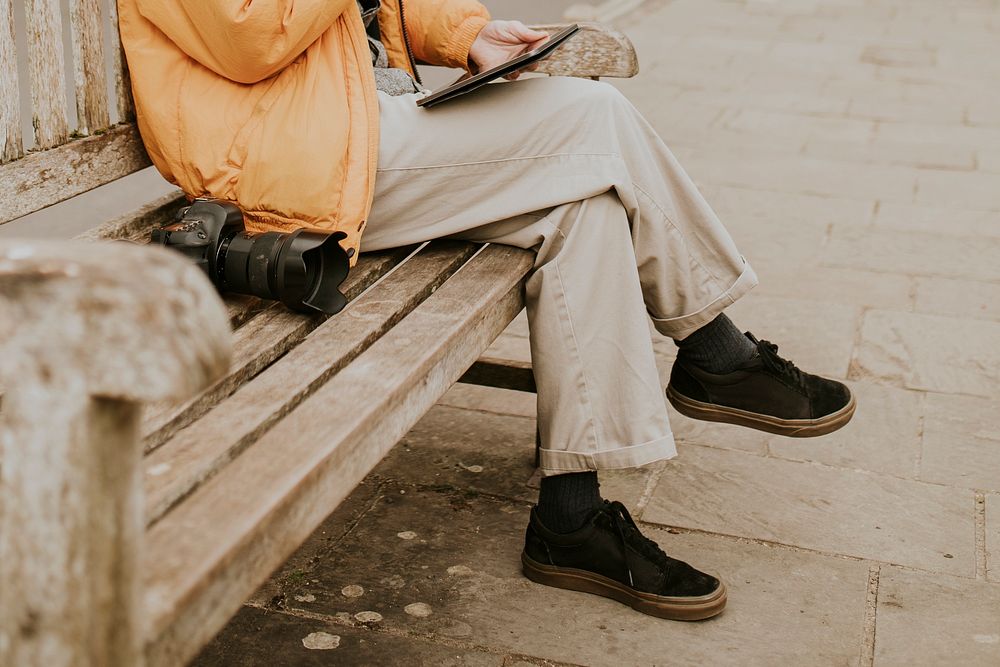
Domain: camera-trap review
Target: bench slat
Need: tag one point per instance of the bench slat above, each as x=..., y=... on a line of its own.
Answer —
x=214, y=549
x=199, y=451
x=11, y=146
x=48, y=177
x=88, y=59
x=119, y=70
x=265, y=337
x=136, y=225
x=46, y=67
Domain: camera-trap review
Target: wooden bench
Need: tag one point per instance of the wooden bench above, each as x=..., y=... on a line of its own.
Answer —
x=129, y=535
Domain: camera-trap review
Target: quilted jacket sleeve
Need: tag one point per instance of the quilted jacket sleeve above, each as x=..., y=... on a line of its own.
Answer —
x=243, y=40
x=441, y=32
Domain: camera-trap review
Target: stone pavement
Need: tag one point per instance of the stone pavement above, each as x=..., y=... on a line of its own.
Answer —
x=853, y=147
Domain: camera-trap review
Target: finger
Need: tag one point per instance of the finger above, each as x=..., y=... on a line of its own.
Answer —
x=526, y=34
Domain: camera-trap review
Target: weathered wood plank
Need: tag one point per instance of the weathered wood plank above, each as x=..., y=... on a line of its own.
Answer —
x=47, y=177
x=595, y=51
x=46, y=69
x=198, y=452
x=215, y=548
x=136, y=225
x=76, y=329
x=88, y=59
x=11, y=146
x=119, y=70
x=502, y=374
x=265, y=336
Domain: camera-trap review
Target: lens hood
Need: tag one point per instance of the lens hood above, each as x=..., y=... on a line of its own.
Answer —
x=309, y=270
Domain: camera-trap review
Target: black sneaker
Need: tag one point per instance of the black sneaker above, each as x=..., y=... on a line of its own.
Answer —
x=611, y=558
x=768, y=393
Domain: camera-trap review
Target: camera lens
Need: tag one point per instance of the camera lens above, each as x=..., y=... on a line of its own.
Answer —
x=302, y=270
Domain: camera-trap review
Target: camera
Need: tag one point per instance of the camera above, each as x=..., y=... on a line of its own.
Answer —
x=303, y=269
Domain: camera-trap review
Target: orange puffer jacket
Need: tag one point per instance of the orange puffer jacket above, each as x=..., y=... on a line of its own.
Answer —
x=271, y=103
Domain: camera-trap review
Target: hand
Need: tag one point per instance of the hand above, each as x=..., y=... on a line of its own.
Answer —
x=501, y=41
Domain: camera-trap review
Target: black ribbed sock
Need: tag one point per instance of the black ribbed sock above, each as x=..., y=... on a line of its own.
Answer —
x=565, y=501
x=718, y=347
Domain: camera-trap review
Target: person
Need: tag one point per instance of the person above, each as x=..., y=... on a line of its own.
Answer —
x=303, y=113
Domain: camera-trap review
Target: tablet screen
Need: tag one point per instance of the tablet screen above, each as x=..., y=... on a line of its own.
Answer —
x=471, y=83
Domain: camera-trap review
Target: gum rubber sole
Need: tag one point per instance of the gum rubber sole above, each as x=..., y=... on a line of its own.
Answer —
x=673, y=608
x=795, y=428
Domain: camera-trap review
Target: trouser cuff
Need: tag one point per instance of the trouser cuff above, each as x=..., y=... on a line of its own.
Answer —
x=554, y=462
x=679, y=328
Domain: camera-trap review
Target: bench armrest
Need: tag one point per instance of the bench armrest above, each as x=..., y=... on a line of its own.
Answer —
x=88, y=331
x=596, y=51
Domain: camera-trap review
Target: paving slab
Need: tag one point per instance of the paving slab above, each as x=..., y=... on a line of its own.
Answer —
x=993, y=536
x=489, y=399
x=510, y=345
x=834, y=510
x=800, y=241
x=270, y=638
x=822, y=284
x=773, y=211
x=938, y=220
x=959, y=298
x=975, y=190
x=486, y=453
x=915, y=253
x=961, y=443
x=458, y=577
x=803, y=127
x=720, y=436
x=936, y=620
x=919, y=155
x=817, y=336
x=883, y=436
x=805, y=175
x=929, y=353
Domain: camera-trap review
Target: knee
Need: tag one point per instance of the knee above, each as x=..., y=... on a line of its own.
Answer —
x=593, y=94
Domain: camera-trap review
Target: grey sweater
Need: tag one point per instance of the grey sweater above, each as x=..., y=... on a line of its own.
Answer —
x=389, y=80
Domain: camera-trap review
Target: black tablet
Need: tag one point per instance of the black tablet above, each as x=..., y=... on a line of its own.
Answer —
x=463, y=86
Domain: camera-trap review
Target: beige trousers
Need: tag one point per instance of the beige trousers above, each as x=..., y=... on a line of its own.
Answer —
x=569, y=168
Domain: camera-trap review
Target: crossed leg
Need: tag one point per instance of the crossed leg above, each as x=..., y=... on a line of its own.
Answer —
x=570, y=168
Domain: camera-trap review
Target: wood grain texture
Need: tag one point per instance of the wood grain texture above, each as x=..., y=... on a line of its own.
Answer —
x=81, y=344
x=268, y=332
x=46, y=71
x=92, y=305
x=11, y=145
x=596, y=51
x=201, y=450
x=119, y=69
x=216, y=547
x=88, y=62
x=71, y=526
x=48, y=177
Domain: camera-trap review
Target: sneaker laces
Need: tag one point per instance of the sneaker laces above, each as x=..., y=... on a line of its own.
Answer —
x=769, y=355
x=630, y=535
